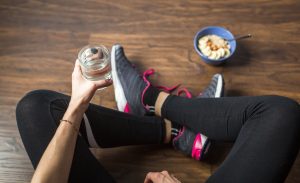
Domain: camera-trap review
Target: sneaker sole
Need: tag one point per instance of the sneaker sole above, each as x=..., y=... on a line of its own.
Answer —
x=119, y=92
x=220, y=84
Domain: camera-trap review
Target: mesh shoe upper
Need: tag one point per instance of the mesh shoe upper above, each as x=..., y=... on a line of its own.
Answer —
x=131, y=81
x=215, y=89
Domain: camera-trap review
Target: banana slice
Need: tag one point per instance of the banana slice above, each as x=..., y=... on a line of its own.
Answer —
x=206, y=51
x=221, y=52
x=213, y=55
x=218, y=55
x=202, y=46
x=203, y=40
x=227, y=52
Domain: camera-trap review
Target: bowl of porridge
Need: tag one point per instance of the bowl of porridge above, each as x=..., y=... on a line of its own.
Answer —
x=214, y=44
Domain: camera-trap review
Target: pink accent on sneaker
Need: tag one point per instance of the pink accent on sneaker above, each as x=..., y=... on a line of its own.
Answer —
x=148, y=73
x=127, y=108
x=197, y=147
x=145, y=78
x=184, y=90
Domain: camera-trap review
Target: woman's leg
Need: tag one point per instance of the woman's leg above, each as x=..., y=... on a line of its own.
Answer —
x=266, y=131
x=38, y=115
x=105, y=128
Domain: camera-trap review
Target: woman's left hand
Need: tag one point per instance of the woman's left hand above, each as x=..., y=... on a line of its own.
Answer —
x=160, y=177
x=82, y=89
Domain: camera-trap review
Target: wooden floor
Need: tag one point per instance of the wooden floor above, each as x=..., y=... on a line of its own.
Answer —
x=39, y=41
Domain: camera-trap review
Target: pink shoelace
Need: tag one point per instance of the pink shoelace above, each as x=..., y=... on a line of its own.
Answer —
x=145, y=76
x=180, y=91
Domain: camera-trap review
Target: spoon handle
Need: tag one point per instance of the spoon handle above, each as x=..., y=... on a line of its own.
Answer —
x=241, y=37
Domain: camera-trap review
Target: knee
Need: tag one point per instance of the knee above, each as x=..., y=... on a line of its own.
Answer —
x=282, y=106
x=32, y=102
x=33, y=98
x=283, y=111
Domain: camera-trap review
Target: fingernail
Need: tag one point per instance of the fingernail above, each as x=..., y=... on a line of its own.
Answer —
x=108, y=80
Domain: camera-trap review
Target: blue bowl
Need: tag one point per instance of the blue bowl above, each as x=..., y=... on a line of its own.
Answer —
x=219, y=31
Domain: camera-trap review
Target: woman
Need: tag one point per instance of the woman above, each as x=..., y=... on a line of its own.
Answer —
x=265, y=130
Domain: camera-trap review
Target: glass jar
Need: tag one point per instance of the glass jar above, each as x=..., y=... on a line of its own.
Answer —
x=95, y=62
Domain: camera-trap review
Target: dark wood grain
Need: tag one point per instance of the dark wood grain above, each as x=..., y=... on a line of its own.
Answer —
x=39, y=41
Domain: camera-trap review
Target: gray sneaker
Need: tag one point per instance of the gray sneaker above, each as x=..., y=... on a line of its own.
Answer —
x=129, y=85
x=215, y=89
x=197, y=145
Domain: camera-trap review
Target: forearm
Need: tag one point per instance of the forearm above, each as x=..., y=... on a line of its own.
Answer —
x=56, y=161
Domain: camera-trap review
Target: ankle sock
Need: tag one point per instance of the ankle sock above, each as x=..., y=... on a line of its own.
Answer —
x=150, y=96
x=175, y=130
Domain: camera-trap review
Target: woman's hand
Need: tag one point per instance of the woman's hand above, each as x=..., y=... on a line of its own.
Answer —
x=160, y=177
x=82, y=89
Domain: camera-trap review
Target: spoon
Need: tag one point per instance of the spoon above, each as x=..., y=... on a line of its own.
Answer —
x=240, y=37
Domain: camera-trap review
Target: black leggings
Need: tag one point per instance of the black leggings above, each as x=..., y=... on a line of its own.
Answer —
x=266, y=131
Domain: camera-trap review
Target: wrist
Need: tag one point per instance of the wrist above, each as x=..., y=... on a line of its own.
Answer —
x=78, y=106
x=76, y=109
x=74, y=113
